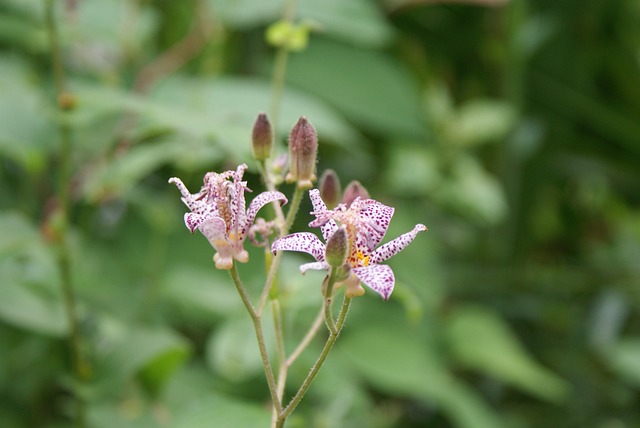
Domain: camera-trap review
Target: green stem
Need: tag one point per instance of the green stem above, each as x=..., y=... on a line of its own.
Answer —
x=293, y=210
x=80, y=365
x=282, y=357
x=331, y=340
x=328, y=296
x=257, y=326
x=280, y=69
x=313, y=330
x=275, y=263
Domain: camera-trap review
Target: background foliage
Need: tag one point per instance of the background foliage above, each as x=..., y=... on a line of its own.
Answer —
x=510, y=128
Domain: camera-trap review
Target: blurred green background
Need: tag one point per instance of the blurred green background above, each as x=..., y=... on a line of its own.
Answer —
x=510, y=128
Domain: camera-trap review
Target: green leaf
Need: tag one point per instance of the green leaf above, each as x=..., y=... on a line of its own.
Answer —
x=30, y=295
x=480, y=121
x=482, y=341
x=360, y=22
x=153, y=352
x=624, y=359
x=399, y=362
x=366, y=85
x=123, y=172
x=24, y=126
x=200, y=293
x=24, y=306
x=211, y=115
x=219, y=411
x=232, y=349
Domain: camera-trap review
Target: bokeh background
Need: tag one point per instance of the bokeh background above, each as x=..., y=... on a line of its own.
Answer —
x=510, y=128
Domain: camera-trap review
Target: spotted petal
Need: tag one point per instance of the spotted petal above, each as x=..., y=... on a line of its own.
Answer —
x=258, y=202
x=374, y=219
x=379, y=278
x=304, y=242
x=319, y=207
x=394, y=247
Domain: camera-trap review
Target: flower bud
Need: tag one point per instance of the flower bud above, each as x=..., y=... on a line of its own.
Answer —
x=352, y=191
x=262, y=138
x=336, y=250
x=330, y=188
x=303, y=149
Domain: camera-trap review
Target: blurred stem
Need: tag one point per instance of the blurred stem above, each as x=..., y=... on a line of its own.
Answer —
x=257, y=326
x=275, y=263
x=282, y=357
x=280, y=69
x=268, y=181
x=307, y=338
x=80, y=366
x=331, y=340
x=328, y=296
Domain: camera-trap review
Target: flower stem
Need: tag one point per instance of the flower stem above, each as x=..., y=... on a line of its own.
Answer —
x=257, y=326
x=80, y=365
x=331, y=340
x=275, y=263
x=306, y=340
x=328, y=296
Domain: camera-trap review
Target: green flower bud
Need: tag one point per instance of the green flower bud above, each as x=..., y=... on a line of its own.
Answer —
x=336, y=250
x=303, y=150
x=262, y=138
x=352, y=191
x=330, y=188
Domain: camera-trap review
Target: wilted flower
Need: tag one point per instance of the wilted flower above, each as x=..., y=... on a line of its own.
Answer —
x=219, y=211
x=366, y=222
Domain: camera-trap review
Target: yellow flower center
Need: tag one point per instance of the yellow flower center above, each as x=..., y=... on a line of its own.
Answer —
x=364, y=260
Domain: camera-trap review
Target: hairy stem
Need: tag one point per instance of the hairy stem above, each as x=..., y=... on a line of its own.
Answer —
x=257, y=326
x=331, y=340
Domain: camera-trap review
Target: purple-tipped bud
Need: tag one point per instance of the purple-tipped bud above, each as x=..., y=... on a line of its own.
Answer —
x=303, y=150
x=330, y=188
x=352, y=191
x=262, y=138
x=336, y=250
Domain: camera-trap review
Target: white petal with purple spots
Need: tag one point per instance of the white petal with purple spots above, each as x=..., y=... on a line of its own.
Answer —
x=379, y=278
x=394, y=247
x=304, y=242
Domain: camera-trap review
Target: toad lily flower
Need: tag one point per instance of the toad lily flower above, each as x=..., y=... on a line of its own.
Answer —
x=219, y=211
x=366, y=222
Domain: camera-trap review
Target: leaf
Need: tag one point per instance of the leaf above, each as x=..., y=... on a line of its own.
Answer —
x=218, y=114
x=360, y=22
x=366, y=85
x=399, y=362
x=479, y=121
x=232, y=349
x=22, y=305
x=624, y=359
x=200, y=293
x=480, y=340
x=30, y=295
x=218, y=411
x=24, y=126
x=123, y=172
x=154, y=352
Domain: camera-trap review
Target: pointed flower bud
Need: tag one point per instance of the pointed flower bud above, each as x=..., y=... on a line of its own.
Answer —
x=336, y=252
x=353, y=191
x=262, y=138
x=303, y=150
x=330, y=188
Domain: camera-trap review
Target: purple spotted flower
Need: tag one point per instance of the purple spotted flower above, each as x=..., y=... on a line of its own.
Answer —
x=219, y=211
x=366, y=222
